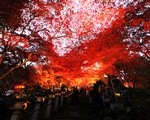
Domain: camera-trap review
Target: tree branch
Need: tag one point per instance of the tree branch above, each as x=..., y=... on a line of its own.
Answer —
x=5, y=74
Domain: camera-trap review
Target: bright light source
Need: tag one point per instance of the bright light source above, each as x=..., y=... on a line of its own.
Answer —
x=105, y=75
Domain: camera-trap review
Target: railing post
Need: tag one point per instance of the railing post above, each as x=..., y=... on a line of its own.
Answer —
x=57, y=100
x=48, y=109
x=40, y=99
x=56, y=103
x=35, y=114
x=19, y=105
x=15, y=115
x=61, y=100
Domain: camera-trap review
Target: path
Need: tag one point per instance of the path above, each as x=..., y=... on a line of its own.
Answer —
x=80, y=111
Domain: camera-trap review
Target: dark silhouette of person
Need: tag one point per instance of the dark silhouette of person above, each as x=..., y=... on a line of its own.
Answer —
x=126, y=97
x=97, y=101
x=6, y=103
x=75, y=96
x=1, y=105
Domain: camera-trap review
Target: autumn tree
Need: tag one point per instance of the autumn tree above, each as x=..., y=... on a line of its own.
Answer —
x=136, y=33
x=137, y=30
x=78, y=40
x=134, y=71
x=22, y=39
x=92, y=37
x=16, y=45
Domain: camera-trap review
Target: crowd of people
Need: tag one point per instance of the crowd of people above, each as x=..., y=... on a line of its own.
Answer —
x=102, y=97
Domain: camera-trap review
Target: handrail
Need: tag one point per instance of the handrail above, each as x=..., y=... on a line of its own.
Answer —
x=34, y=111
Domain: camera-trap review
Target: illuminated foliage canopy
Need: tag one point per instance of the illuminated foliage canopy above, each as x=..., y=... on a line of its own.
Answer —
x=79, y=40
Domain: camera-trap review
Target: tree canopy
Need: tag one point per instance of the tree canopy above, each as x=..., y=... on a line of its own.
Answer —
x=79, y=40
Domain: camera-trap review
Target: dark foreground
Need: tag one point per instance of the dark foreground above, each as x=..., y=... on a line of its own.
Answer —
x=82, y=110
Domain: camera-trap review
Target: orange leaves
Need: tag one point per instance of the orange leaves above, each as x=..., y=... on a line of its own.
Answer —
x=44, y=76
x=88, y=37
x=93, y=59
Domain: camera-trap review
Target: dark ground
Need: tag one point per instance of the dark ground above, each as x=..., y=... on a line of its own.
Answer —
x=82, y=110
x=74, y=111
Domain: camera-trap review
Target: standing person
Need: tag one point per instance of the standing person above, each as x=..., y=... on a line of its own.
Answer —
x=97, y=101
x=106, y=98
x=1, y=105
x=87, y=90
x=126, y=97
x=6, y=104
x=75, y=96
